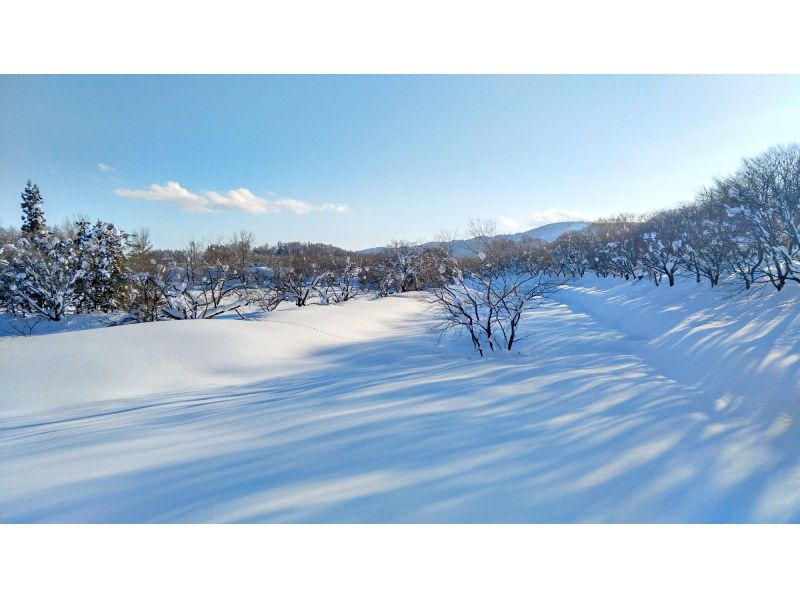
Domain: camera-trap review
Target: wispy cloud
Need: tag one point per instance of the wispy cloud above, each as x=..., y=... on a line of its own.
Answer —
x=241, y=199
x=557, y=215
x=106, y=167
x=333, y=207
x=293, y=205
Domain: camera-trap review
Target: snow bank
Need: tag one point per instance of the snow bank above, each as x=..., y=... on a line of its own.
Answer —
x=744, y=347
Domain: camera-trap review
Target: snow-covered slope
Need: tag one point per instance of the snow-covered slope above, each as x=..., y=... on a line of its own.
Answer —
x=741, y=345
x=630, y=404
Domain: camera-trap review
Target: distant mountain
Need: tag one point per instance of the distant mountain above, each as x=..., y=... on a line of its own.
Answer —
x=547, y=232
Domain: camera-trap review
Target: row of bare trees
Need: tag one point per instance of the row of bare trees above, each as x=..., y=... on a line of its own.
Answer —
x=743, y=227
x=207, y=280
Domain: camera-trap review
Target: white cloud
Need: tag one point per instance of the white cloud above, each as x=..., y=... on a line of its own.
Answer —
x=509, y=225
x=172, y=192
x=240, y=199
x=557, y=215
x=106, y=167
x=333, y=207
x=294, y=205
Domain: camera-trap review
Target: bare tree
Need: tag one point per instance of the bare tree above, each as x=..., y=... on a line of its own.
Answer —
x=447, y=240
x=192, y=255
x=709, y=238
x=665, y=245
x=404, y=262
x=765, y=195
x=571, y=251
x=299, y=276
x=241, y=249
x=146, y=281
x=487, y=296
x=342, y=282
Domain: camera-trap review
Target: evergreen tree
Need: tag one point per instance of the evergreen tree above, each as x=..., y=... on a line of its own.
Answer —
x=41, y=278
x=33, y=223
x=101, y=257
x=50, y=273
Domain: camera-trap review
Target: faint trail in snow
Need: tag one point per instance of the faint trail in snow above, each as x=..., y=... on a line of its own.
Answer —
x=347, y=338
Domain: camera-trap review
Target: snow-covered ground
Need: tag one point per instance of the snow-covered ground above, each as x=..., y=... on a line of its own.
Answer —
x=630, y=403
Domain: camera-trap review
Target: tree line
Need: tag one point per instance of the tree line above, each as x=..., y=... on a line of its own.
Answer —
x=743, y=229
x=49, y=272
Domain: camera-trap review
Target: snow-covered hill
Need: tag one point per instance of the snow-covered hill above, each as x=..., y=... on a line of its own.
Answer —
x=631, y=403
x=546, y=232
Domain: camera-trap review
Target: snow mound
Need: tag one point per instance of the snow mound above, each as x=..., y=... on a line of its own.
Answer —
x=65, y=371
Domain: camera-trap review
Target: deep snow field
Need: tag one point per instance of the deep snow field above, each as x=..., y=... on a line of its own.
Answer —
x=630, y=403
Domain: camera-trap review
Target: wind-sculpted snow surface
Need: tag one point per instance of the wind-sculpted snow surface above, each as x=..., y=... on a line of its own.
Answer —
x=630, y=403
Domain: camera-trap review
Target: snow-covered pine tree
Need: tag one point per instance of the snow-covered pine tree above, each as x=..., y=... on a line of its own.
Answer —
x=40, y=272
x=51, y=273
x=33, y=222
x=41, y=276
x=100, y=251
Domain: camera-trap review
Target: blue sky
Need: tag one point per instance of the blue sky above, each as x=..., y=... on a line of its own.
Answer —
x=359, y=160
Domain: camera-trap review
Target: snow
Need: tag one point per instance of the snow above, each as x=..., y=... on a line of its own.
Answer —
x=630, y=403
x=11, y=326
x=724, y=341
